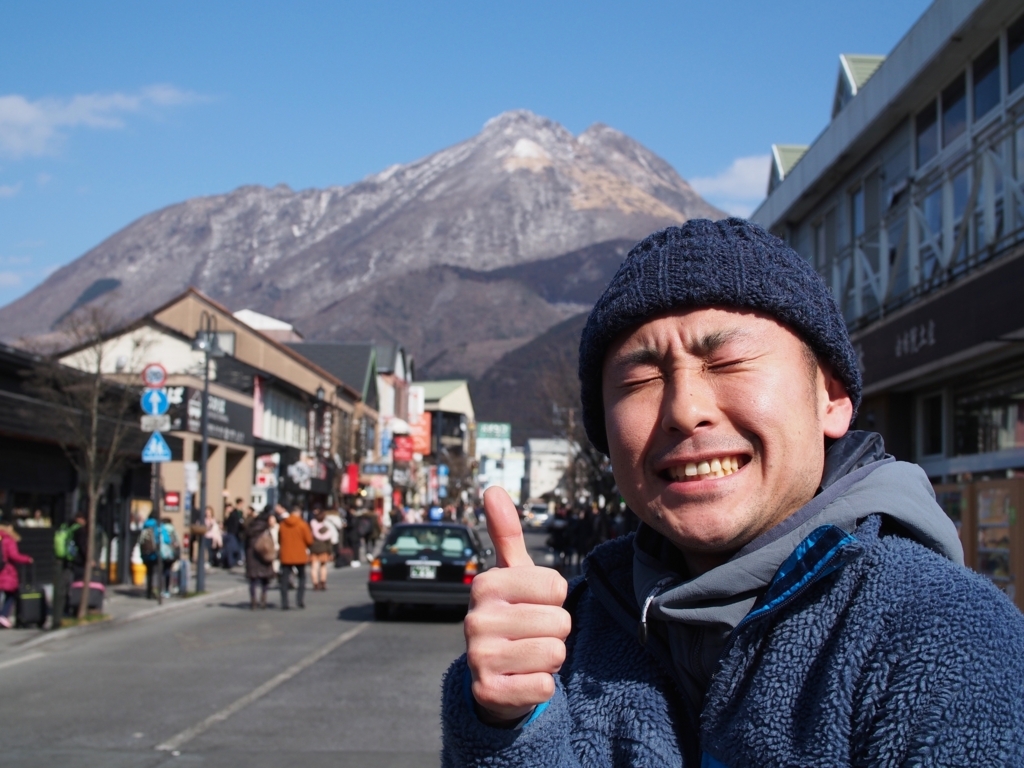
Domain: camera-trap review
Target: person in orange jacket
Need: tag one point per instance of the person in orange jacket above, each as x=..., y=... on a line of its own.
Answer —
x=295, y=538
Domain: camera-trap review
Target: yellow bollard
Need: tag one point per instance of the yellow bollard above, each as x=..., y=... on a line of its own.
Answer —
x=138, y=574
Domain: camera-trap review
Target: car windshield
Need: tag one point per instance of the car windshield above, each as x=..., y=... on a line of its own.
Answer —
x=411, y=540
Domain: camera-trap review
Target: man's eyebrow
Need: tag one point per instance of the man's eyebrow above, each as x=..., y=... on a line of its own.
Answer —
x=710, y=343
x=639, y=356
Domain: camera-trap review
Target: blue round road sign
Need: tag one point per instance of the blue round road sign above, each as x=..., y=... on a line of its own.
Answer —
x=154, y=402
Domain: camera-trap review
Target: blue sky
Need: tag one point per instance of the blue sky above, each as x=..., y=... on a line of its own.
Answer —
x=111, y=110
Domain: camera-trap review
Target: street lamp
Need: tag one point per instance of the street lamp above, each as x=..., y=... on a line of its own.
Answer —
x=205, y=342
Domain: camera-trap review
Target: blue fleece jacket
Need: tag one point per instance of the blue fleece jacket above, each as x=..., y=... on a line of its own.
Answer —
x=867, y=649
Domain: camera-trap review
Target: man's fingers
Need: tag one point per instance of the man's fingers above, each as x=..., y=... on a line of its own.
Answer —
x=511, y=696
x=520, y=622
x=504, y=528
x=539, y=586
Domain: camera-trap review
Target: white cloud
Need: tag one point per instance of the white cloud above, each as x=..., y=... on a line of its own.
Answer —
x=32, y=128
x=9, y=279
x=740, y=187
x=9, y=190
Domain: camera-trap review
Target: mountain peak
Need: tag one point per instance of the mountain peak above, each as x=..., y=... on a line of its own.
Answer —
x=522, y=191
x=517, y=118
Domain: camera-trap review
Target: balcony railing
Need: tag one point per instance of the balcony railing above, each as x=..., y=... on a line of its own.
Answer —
x=938, y=227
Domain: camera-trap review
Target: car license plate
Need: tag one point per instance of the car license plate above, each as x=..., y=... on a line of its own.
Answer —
x=417, y=571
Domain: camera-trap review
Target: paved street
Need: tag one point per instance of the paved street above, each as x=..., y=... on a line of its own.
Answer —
x=215, y=684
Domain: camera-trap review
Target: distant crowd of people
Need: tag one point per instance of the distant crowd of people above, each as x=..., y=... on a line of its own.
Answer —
x=287, y=545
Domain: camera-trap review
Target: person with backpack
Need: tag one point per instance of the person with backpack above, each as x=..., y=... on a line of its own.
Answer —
x=234, y=517
x=69, y=542
x=160, y=550
x=259, y=557
x=10, y=559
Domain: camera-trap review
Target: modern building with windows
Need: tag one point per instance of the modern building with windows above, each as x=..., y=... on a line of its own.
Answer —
x=910, y=204
x=277, y=421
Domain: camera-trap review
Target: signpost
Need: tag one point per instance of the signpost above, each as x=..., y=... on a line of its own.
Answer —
x=155, y=423
x=154, y=376
x=154, y=404
x=157, y=450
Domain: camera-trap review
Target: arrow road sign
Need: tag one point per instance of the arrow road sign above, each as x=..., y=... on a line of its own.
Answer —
x=155, y=402
x=157, y=450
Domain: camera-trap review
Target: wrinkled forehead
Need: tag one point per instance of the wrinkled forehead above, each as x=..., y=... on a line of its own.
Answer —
x=700, y=331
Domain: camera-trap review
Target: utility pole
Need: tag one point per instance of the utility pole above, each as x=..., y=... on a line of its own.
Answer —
x=158, y=533
x=572, y=464
x=205, y=342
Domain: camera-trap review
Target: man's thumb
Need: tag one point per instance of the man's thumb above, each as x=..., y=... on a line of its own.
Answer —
x=504, y=529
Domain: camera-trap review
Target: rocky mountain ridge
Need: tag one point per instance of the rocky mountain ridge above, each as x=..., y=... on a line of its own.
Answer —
x=462, y=256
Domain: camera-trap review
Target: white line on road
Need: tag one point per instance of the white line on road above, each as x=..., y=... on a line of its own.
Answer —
x=26, y=657
x=188, y=734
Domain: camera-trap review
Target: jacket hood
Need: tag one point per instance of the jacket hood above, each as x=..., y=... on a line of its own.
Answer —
x=859, y=480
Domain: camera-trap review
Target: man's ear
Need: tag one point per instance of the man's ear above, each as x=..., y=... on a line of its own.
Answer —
x=836, y=405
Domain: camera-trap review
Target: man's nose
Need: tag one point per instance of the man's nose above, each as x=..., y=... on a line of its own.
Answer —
x=690, y=402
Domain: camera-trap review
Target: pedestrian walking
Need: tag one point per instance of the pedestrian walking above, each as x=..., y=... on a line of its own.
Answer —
x=274, y=523
x=325, y=538
x=11, y=557
x=214, y=537
x=233, y=518
x=259, y=557
x=68, y=550
x=160, y=550
x=296, y=538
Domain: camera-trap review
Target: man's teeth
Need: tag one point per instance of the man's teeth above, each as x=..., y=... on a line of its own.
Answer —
x=718, y=467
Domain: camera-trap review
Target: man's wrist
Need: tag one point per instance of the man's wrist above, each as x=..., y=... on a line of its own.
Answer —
x=495, y=721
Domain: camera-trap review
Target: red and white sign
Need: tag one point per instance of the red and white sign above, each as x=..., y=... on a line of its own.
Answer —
x=172, y=500
x=154, y=376
x=420, y=433
x=403, y=448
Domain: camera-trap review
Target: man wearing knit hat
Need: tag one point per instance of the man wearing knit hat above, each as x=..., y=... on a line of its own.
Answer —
x=794, y=596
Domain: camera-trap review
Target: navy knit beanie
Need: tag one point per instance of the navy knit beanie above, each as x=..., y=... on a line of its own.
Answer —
x=729, y=263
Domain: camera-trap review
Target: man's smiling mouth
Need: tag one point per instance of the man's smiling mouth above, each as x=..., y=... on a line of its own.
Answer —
x=720, y=466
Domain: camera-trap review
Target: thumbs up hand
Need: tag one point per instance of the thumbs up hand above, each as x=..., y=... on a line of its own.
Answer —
x=516, y=626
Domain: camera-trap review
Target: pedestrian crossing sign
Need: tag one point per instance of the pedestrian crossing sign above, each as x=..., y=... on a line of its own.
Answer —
x=157, y=450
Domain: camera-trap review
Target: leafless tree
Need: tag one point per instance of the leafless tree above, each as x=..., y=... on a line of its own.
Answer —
x=588, y=468
x=94, y=397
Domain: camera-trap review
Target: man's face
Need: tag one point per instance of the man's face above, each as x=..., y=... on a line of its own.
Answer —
x=716, y=422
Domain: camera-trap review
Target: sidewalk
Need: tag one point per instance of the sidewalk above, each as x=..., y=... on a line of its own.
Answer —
x=124, y=603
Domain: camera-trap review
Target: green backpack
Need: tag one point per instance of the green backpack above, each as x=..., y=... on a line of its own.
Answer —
x=64, y=546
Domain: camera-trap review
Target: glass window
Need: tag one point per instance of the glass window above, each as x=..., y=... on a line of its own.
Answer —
x=927, y=134
x=1015, y=47
x=995, y=515
x=857, y=212
x=411, y=540
x=819, y=246
x=986, y=81
x=954, y=111
x=990, y=417
x=931, y=425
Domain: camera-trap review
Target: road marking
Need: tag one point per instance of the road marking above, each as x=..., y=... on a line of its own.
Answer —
x=188, y=734
x=26, y=657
